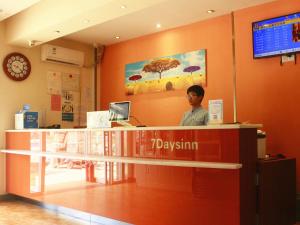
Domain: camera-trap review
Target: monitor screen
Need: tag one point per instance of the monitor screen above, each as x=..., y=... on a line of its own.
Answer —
x=119, y=111
x=276, y=36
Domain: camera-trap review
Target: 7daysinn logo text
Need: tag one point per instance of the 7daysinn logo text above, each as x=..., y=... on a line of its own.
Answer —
x=174, y=145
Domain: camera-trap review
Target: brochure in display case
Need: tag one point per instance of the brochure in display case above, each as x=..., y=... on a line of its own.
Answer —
x=215, y=111
x=26, y=120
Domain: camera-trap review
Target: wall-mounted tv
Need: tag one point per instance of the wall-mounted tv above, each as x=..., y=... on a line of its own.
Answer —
x=276, y=36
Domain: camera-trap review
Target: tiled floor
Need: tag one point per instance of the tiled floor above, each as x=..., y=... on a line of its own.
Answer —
x=20, y=213
x=13, y=212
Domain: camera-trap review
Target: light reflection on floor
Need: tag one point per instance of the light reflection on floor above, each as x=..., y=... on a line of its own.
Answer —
x=21, y=213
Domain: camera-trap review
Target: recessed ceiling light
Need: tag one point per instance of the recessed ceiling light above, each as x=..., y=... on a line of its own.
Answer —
x=123, y=7
x=158, y=25
x=86, y=21
x=210, y=11
x=32, y=43
x=117, y=37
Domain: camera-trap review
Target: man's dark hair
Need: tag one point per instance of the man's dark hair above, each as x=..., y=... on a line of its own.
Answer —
x=197, y=89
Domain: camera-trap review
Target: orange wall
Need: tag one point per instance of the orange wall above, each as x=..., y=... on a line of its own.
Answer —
x=267, y=93
x=164, y=108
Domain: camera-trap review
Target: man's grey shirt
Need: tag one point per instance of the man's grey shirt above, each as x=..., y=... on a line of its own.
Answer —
x=195, y=117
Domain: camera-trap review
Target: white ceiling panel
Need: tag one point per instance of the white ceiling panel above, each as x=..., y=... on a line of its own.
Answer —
x=12, y=7
x=99, y=21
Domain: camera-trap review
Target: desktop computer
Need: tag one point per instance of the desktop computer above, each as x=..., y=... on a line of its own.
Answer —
x=119, y=112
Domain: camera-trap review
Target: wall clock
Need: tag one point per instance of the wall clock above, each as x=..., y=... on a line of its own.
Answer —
x=16, y=66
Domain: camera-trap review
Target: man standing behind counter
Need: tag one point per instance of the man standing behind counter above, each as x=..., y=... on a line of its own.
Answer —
x=198, y=115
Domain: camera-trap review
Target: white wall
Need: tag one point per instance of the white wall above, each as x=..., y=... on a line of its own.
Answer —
x=33, y=90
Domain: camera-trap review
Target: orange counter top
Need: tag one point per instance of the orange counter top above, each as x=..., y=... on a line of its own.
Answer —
x=133, y=128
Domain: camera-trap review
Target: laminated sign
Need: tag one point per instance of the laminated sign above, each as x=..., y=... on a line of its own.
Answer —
x=215, y=111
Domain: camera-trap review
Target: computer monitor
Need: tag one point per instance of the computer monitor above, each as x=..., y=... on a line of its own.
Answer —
x=119, y=111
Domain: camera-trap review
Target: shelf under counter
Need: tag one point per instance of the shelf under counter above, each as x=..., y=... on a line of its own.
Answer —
x=133, y=160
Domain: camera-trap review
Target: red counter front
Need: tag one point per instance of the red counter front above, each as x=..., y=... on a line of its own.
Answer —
x=155, y=176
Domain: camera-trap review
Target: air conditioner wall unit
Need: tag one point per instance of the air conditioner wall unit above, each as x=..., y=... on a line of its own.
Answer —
x=57, y=54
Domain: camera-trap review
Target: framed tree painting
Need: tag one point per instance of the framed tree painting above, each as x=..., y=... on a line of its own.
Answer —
x=166, y=73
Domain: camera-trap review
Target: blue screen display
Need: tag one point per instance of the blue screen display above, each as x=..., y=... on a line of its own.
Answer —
x=276, y=36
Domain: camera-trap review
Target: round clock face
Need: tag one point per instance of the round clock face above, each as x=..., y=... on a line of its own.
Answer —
x=16, y=66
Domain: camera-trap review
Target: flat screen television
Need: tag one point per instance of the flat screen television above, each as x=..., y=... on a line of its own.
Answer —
x=119, y=111
x=276, y=36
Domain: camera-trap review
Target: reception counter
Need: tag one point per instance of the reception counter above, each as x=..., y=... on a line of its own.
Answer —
x=149, y=175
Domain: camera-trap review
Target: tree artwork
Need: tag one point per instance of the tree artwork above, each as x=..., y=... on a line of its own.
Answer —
x=161, y=65
x=166, y=73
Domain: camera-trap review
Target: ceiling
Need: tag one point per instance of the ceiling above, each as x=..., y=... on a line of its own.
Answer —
x=9, y=8
x=98, y=22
